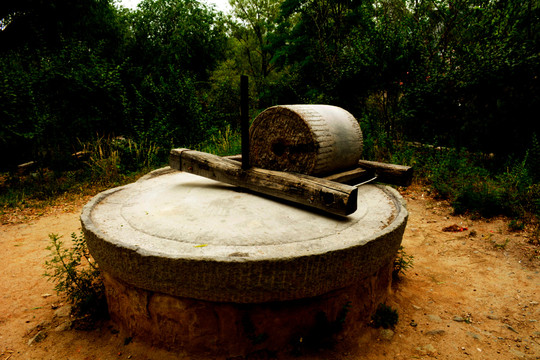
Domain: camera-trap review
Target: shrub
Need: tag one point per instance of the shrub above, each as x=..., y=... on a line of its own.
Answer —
x=385, y=317
x=76, y=276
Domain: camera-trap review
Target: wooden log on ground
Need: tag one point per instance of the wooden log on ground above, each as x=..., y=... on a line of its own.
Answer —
x=399, y=175
x=330, y=196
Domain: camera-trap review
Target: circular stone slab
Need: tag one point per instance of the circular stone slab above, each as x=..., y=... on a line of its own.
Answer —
x=188, y=236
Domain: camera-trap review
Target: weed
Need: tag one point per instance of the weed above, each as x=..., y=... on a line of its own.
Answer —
x=402, y=263
x=109, y=159
x=385, y=317
x=226, y=142
x=76, y=276
x=501, y=246
x=516, y=225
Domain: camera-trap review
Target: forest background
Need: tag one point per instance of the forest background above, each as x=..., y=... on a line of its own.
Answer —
x=94, y=93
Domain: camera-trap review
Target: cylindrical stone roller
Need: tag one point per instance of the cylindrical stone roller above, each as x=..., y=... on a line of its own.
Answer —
x=307, y=139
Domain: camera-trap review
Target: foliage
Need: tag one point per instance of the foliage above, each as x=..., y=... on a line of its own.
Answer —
x=55, y=99
x=46, y=24
x=475, y=85
x=77, y=276
x=226, y=142
x=109, y=159
x=100, y=164
x=183, y=35
x=385, y=317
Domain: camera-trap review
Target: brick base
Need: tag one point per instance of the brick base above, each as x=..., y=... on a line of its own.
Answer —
x=229, y=329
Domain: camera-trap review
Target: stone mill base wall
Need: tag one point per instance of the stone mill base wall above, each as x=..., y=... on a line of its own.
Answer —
x=229, y=329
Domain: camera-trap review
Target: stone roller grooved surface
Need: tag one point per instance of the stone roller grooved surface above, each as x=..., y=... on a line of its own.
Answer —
x=188, y=236
x=307, y=139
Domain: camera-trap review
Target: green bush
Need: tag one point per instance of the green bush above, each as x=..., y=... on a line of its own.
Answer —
x=76, y=276
x=226, y=142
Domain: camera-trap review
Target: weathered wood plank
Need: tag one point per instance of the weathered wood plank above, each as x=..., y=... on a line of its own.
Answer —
x=389, y=173
x=393, y=174
x=330, y=196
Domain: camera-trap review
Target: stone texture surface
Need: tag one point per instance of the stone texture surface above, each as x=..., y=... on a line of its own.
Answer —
x=307, y=139
x=187, y=236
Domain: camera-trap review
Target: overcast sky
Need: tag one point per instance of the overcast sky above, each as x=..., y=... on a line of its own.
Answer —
x=222, y=5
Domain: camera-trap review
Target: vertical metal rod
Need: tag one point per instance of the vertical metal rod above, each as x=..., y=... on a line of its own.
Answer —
x=244, y=120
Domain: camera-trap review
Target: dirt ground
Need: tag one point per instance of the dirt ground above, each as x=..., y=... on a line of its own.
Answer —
x=472, y=294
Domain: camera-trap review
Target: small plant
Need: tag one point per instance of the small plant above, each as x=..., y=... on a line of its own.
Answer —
x=402, y=263
x=76, y=276
x=501, y=246
x=385, y=317
x=226, y=142
x=516, y=225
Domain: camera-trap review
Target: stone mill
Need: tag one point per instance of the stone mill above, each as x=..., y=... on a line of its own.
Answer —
x=210, y=256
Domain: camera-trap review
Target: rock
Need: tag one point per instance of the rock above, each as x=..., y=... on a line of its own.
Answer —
x=435, y=332
x=426, y=349
x=493, y=317
x=458, y=319
x=37, y=328
x=434, y=318
x=64, y=311
x=66, y=325
x=473, y=335
x=416, y=307
x=386, y=334
x=40, y=336
x=518, y=354
x=510, y=328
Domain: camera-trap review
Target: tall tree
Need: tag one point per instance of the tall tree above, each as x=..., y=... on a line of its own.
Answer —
x=184, y=34
x=254, y=22
x=49, y=23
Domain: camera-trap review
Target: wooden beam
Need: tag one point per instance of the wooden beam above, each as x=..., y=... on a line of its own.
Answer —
x=244, y=121
x=330, y=196
x=399, y=175
x=392, y=174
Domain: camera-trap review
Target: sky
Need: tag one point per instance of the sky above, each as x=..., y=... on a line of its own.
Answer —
x=222, y=5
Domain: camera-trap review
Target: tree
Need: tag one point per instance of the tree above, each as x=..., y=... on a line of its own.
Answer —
x=476, y=86
x=175, y=46
x=59, y=77
x=184, y=34
x=49, y=23
x=255, y=22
